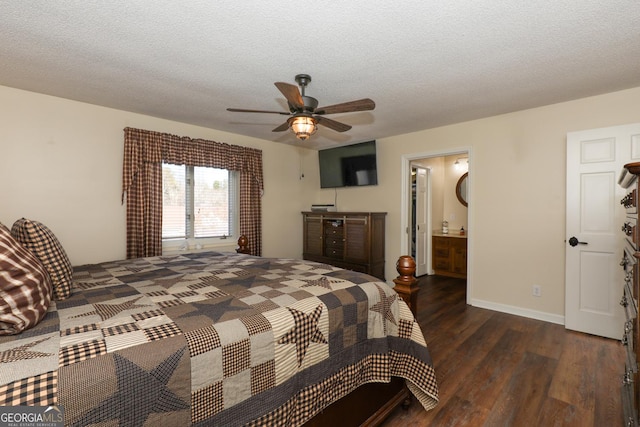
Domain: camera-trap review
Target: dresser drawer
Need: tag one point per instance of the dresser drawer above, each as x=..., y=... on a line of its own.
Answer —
x=440, y=252
x=441, y=242
x=628, y=402
x=440, y=263
x=334, y=252
x=628, y=259
x=630, y=229
x=459, y=243
x=334, y=242
x=629, y=202
x=333, y=230
x=333, y=238
x=629, y=303
x=629, y=347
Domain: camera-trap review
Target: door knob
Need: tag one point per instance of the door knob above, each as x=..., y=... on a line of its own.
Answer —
x=573, y=241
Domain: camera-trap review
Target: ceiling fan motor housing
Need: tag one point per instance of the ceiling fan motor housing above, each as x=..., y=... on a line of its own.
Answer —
x=310, y=103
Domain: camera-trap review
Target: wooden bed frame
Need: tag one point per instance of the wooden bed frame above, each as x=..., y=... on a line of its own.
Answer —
x=370, y=404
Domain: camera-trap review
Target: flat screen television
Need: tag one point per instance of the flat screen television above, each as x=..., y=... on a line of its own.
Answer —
x=348, y=165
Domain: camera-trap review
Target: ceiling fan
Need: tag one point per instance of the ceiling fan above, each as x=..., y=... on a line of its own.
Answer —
x=304, y=111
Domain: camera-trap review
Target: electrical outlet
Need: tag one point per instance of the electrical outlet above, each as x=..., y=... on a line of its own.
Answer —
x=537, y=291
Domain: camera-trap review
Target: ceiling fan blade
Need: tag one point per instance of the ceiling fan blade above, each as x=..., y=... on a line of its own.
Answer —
x=332, y=124
x=365, y=104
x=282, y=127
x=292, y=94
x=242, y=110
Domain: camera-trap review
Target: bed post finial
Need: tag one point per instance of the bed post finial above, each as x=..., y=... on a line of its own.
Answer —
x=406, y=284
x=243, y=245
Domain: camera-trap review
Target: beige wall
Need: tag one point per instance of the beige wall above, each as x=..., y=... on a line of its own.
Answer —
x=61, y=163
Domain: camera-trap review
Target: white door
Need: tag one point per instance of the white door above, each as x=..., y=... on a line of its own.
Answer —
x=422, y=219
x=594, y=241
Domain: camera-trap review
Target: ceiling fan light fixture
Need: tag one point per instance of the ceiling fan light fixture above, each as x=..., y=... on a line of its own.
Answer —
x=303, y=126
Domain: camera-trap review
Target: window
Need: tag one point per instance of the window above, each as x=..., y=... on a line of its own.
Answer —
x=198, y=202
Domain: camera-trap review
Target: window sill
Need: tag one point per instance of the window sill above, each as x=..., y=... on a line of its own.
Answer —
x=185, y=246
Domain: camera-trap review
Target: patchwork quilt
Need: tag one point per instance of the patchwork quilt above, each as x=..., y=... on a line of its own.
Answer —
x=213, y=339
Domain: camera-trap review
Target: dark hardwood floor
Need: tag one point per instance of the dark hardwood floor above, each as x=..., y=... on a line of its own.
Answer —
x=496, y=369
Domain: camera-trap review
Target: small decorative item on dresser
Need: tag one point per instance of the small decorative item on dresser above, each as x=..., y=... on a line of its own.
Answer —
x=445, y=227
x=462, y=231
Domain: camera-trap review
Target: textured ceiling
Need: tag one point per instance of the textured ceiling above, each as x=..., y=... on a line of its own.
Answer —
x=424, y=63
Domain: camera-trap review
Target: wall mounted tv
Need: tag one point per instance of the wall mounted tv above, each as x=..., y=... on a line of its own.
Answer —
x=348, y=165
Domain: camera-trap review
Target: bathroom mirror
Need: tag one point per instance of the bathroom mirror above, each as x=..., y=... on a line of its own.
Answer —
x=462, y=188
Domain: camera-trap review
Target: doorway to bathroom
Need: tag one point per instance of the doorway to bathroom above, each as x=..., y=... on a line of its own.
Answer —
x=436, y=212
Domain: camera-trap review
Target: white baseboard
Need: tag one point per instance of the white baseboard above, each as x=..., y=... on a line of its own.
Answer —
x=519, y=311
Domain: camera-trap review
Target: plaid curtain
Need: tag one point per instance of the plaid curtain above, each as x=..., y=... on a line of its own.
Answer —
x=144, y=152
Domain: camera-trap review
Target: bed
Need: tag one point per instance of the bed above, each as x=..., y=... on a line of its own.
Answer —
x=222, y=339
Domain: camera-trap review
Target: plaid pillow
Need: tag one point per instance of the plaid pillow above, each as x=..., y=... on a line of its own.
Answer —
x=36, y=237
x=25, y=287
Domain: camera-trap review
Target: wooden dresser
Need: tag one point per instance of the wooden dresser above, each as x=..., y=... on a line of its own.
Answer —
x=351, y=240
x=450, y=255
x=630, y=291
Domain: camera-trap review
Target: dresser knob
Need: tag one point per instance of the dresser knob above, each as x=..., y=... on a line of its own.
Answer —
x=624, y=302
